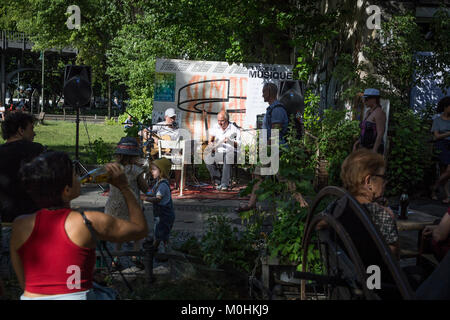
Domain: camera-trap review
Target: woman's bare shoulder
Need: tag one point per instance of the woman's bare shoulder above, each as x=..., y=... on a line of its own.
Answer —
x=24, y=220
x=22, y=228
x=380, y=112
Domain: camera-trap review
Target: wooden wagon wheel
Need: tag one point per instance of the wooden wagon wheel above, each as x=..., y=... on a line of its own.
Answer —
x=343, y=275
x=340, y=276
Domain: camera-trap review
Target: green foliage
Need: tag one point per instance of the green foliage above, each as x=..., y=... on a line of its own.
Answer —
x=410, y=158
x=224, y=246
x=190, y=246
x=334, y=136
x=286, y=237
x=293, y=162
x=311, y=114
x=440, y=27
x=348, y=73
x=336, y=140
x=395, y=59
x=103, y=152
x=132, y=131
x=394, y=68
x=110, y=122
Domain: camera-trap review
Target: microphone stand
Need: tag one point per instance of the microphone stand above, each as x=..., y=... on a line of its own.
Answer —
x=148, y=143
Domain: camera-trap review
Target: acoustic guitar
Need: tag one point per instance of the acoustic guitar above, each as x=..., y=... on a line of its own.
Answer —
x=154, y=153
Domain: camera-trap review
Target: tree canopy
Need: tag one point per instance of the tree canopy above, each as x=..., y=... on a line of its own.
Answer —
x=121, y=39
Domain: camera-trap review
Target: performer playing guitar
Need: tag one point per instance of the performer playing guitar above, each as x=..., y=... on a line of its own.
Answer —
x=225, y=139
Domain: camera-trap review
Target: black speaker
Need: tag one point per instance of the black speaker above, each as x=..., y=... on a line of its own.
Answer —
x=77, y=86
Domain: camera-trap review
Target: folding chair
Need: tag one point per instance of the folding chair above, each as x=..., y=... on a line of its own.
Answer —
x=180, y=145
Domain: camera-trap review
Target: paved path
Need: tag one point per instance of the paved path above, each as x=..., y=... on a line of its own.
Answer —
x=191, y=214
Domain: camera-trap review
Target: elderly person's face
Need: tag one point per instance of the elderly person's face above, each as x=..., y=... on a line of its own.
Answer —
x=171, y=120
x=222, y=120
x=375, y=183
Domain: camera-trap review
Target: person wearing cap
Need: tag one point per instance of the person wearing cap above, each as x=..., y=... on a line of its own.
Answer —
x=127, y=154
x=161, y=197
x=373, y=125
x=167, y=130
x=168, y=127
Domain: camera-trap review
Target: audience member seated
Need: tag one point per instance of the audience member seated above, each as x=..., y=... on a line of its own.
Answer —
x=53, y=250
x=18, y=131
x=439, y=236
x=363, y=175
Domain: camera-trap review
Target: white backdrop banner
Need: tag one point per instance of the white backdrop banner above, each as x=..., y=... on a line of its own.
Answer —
x=193, y=86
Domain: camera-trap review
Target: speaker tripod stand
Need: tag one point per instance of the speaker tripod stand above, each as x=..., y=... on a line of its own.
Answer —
x=78, y=165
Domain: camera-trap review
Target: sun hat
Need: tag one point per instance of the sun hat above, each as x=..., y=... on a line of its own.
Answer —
x=128, y=146
x=370, y=92
x=170, y=113
x=163, y=165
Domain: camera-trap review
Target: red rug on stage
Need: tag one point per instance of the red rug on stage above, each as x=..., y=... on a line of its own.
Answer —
x=205, y=191
x=208, y=192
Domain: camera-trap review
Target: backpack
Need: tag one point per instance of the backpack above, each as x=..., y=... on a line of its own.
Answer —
x=293, y=104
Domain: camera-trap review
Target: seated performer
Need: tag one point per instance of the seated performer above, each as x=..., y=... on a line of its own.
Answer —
x=225, y=139
x=167, y=130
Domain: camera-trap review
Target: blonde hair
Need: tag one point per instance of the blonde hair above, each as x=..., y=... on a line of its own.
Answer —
x=358, y=165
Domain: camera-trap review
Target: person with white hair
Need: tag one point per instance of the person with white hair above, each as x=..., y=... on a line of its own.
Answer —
x=226, y=138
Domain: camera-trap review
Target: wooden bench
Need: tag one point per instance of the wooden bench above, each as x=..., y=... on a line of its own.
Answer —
x=41, y=117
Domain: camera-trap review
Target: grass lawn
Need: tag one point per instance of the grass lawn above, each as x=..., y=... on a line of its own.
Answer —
x=60, y=136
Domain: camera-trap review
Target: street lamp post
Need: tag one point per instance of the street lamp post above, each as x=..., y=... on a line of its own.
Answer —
x=42, y=90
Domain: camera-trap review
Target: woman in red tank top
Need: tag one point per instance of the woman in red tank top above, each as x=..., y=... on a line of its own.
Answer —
x=52, y=250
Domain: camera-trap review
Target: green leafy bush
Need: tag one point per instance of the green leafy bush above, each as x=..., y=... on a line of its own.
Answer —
x=110, y=122
x=132, y=131
x=334, y=136
x=103, y=152
x=286, y=237
x=410, y=157
x=336, y=141
x=224, y=246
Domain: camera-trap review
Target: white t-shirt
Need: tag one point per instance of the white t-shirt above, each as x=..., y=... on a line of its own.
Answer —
x=232, y=133
x=163, y=130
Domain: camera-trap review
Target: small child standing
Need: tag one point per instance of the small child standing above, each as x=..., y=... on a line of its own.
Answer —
x=127, y=154
x=161, y=197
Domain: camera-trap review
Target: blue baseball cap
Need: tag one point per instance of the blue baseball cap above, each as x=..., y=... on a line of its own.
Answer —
x=370, y=92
